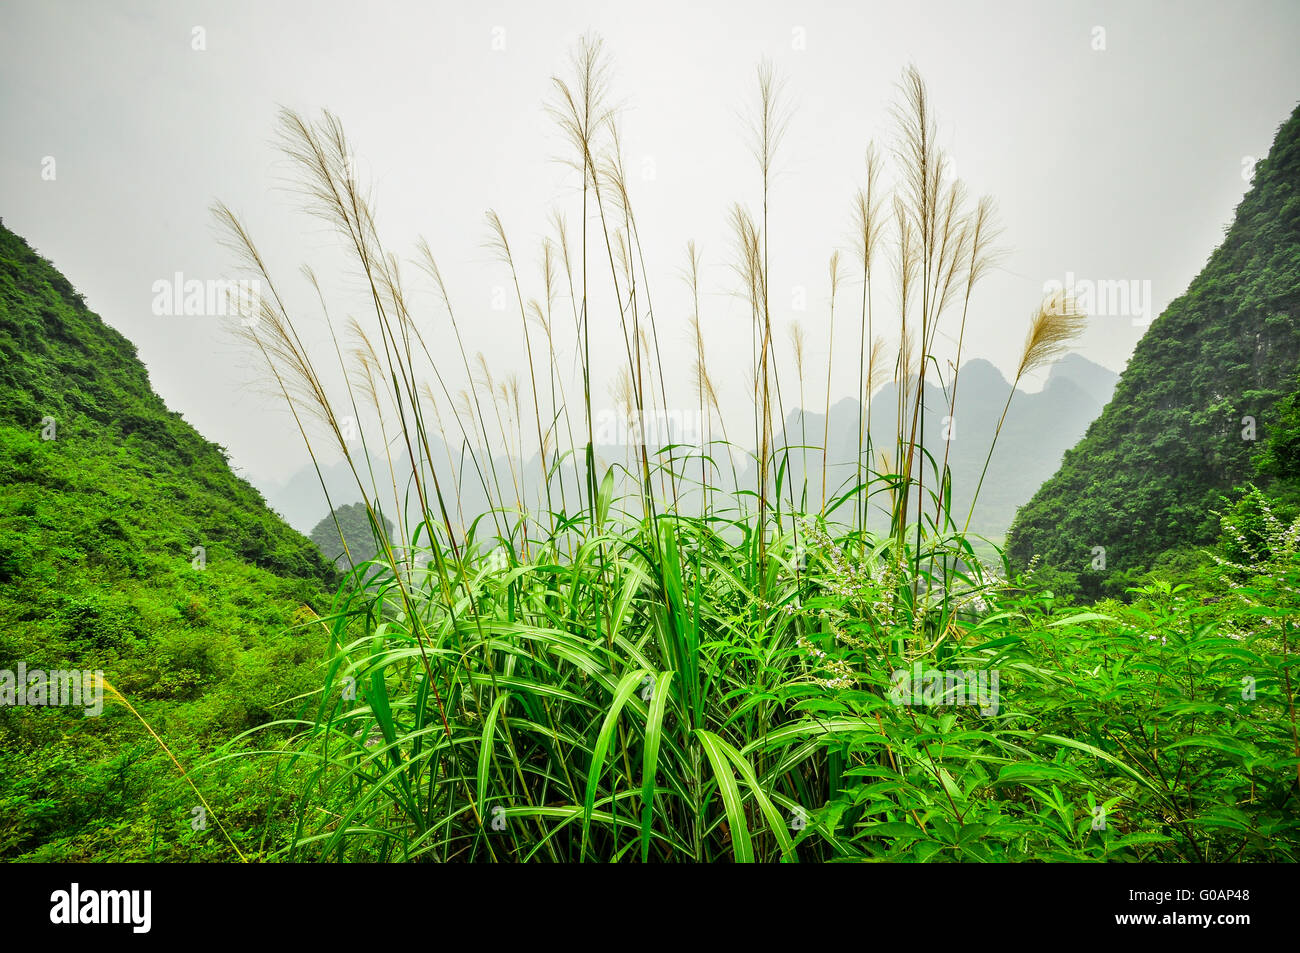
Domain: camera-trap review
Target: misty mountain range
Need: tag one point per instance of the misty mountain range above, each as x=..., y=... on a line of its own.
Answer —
x=1039, y=428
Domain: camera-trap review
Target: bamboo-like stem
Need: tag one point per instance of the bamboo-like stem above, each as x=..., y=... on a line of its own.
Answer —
x=830, y=354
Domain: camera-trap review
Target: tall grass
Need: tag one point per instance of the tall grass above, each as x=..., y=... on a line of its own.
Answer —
x=654, y=662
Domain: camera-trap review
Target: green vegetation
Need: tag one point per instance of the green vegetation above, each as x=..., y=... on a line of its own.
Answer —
x=99, y=571
x=657, y=660
x=1198, y=396
x=590, y=674
x=347, y=534
x=595, y=711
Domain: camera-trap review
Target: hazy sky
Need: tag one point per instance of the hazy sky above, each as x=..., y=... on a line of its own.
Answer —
x=1117, y=163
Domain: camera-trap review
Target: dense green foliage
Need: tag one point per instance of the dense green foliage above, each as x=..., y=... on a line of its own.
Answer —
x=592, y=710
x=595, y=672
x=613, y=677
x=1280, y=458
x=98, y=570
x=1148, y=475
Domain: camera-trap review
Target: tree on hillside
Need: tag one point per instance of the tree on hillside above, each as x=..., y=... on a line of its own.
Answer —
x=353, y=522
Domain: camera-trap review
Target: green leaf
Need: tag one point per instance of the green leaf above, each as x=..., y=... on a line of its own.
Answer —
x=622, y=692
x=741, y=847
x=650, y=756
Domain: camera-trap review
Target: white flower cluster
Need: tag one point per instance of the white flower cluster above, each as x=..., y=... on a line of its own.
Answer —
x=1278, y=547
x=841, y=675
x=872, y=585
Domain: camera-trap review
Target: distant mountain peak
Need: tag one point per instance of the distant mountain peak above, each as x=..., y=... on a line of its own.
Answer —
x=1074, y=363
x=982, y=369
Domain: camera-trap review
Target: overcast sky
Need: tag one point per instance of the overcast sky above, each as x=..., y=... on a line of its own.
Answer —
x=1112, y=136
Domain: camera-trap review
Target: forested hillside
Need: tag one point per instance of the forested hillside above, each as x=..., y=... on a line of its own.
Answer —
x=346, y=536
x=127, y=545
x=1191, y=410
